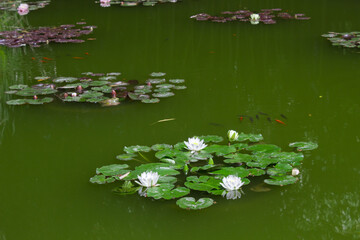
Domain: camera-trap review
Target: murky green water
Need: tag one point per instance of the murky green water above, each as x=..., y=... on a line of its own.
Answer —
x=49, y=152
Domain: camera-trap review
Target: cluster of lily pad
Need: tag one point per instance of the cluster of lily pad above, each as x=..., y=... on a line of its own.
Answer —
x=203, y=164
x=267, y=16
x=44, y=35
x=96, y=88
x=133, y=3
x=14, y=5
x=346, y=39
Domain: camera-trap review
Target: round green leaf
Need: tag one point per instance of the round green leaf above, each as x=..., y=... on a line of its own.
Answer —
x=113, y=169
x=157, y=74
x=177, y=80
x=163, y=94
x=17, y=102
x=191, y=203
x=304, y=146
x=137, y=148
x=65, y=79
x=126, y=157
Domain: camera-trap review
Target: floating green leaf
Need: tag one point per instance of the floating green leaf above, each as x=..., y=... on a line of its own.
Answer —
x=64, y=79
x=281, y=180
x=166, y=191
x=101, y=179
x=177, y=80
x=18, y=87
x=137, y=148
x=220, y=150
x=157, y=74
x=191, y=203
x=304, y=146
x=126, y=188
x=163, y=94
x=150, y=100
x=113, y=169
x=250, y=137
x=17, y=102
x=126, y=157
x=263, y=148
x=160, y=147
x=32, y=91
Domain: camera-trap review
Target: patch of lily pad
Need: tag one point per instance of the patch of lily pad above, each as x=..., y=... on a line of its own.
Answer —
x=134, y=3
x=13, y=5
x=345, y=39
x=98, y=88
x=182, y=172
x=266, y=16
x=44, y=35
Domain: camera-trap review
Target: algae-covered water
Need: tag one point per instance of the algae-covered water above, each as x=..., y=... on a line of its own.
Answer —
x=48, y=153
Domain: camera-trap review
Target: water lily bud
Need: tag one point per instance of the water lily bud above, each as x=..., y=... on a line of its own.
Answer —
x=113, y=93
x=66, y=95
x=73, y=94
x=295, y=172
x=211, y=161
x=232, y=135
x=35, y=97
x=186, y=169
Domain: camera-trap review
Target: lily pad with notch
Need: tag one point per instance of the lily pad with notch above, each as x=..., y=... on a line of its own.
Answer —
x=191, y=204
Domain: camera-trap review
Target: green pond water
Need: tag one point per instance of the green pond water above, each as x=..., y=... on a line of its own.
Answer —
x=48, y=153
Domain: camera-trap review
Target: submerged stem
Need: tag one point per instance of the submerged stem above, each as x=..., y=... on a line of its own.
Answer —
x=146, y=159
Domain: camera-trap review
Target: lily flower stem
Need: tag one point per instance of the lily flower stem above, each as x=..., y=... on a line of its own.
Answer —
x=146, y=159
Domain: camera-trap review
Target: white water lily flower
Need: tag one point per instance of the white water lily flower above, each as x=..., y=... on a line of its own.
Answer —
x=231, y=183
x=254, y=18
x=148, y=179
x=232, y=135
x=195, y=144
x=231, y=194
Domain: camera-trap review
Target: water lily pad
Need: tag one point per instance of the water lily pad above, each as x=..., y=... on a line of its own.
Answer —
x=126, y=188
x=264, y=148
x=304, y=146
x=18, y=87
x=163, y=95
x=142, y=91
x=239, y=158
x=237, y=171
x=191, y=203
x=163, y=169
x=91, y=94
x=202, y=183
x=126, y=157
x=98, y=83
x=42, y=78
x=160, y=147
x=155, y=81
x=177, y=80
x=107, y=78
x=157, y=74
x=137, y=148
x=11, y=92
x=39, y=101
x=161, y=90
x=104, y=89
x=74, y=85
x=102, y=179
x=113, y=74
x=150, y=100
x=32, y=91
x=179, y=87
x=220, y=150
x=65, y=79
x=165, y=85
x=165, y=191
x=113, y=169
x=281, y=180
x=17, y=102
x=96, y=99
x=251, y=137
